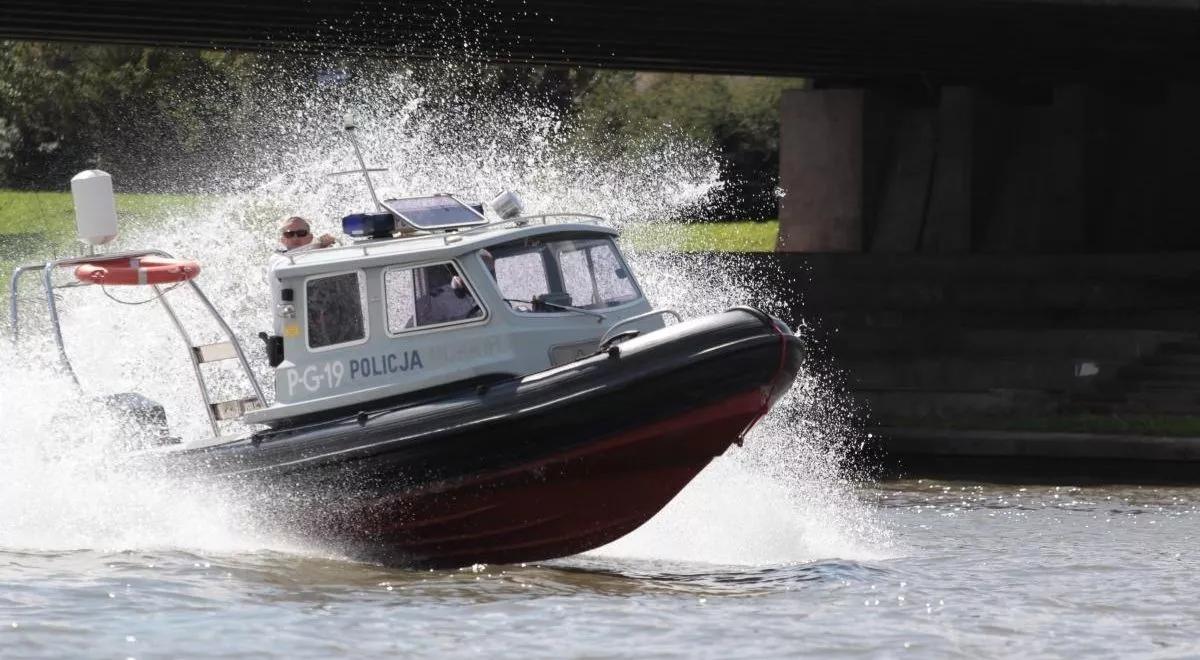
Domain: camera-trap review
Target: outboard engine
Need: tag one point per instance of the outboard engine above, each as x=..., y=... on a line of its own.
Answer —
x=143, y=420
x=140, y=422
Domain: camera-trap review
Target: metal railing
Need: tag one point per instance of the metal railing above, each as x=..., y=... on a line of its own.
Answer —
x=48, y=285
x=526, y=220
x=608, y=334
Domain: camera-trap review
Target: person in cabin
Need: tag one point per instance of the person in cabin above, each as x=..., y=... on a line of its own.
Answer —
x=489, y=261
x=442, y=297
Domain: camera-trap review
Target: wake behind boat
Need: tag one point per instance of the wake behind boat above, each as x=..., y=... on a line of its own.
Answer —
x=461, y=384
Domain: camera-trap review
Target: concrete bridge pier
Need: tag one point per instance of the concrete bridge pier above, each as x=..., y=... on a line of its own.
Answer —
x=1071, y=168
x=821, y=170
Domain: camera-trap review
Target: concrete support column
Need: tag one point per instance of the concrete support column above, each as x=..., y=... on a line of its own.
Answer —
x=908, y=171
x=949, y=219
x=1066, y=200
x=821, y=171
x=923, y=153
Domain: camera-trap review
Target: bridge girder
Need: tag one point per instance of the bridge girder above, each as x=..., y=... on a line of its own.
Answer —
x=941, y=40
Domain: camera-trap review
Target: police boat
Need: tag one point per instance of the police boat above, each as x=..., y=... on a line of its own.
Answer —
x=459, y=384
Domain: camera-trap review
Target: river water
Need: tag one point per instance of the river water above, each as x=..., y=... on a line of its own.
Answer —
x=966, y=571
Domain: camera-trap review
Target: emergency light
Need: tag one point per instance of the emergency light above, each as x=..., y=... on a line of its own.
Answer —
x=369, y=225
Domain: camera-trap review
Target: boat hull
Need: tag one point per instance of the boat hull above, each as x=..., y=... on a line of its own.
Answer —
x=557, y=506
x=521, y=470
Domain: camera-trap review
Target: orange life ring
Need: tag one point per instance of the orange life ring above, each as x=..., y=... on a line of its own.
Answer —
x=137, y=270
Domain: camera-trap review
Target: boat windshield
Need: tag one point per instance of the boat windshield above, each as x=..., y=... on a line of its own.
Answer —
x=548, y=276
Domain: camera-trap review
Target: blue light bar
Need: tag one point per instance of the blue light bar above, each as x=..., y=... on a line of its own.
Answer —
x=369, y=225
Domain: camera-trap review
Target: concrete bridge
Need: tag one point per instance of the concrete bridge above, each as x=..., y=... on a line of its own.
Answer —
x=947, y=41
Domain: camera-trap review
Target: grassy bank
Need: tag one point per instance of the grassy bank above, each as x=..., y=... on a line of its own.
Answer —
x=52, y=214
x=32, y=219
x=749, y=236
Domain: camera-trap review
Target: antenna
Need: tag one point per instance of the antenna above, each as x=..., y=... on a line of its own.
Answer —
x=349, y=126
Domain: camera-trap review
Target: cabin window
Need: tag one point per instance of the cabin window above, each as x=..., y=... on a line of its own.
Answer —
x=535, y=276
x=521, y=277
x=427, y=296
x=594, y=275
x=335, y=311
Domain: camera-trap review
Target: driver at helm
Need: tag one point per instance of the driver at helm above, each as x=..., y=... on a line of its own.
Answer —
x=452, y=301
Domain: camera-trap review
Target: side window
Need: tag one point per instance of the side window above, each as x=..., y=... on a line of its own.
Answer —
x=521, y=277
x=400, y=299
x=612, y=282
x=427, y=296
x=335, y=313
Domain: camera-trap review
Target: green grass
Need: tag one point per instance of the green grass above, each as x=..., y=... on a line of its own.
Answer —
x=45, y=221
x=35, y=225
x=748, y=236
x=52, y=214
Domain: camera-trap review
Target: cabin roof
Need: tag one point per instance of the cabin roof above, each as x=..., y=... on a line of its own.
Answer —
x=424, y=247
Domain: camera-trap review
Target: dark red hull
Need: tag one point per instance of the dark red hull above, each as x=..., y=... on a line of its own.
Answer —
x=560, y=505
x=524, y=469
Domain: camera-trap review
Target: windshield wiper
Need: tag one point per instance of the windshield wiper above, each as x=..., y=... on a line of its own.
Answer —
x=600, y=318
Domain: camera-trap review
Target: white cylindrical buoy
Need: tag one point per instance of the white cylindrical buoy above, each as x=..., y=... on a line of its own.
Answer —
x=508, y=204
x=95, y=207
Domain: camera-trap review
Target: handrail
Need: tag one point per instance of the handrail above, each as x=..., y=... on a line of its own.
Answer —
x=187, y=340
x=52, y=308
x=637, y=317
x=237, y=346
x=555, y=214
x=48, y=268
x=88, y=258
x=12, y=301
x=521, y=221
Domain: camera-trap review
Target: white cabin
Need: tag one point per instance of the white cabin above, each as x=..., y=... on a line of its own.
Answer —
x=384, y=318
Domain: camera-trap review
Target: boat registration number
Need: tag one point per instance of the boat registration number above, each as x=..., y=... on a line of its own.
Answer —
x=331, y=375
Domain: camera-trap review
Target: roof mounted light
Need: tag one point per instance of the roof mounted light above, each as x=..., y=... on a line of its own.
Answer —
x=369, y=225
x=508, y=204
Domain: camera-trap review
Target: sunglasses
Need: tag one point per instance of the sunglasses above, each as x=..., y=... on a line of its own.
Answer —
x=295, y=233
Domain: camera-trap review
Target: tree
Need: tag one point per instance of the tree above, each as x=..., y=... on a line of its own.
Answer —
x=67, y=107
x=736, y=115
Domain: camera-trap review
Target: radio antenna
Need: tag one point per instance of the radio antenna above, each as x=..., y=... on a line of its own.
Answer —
x=348, y=126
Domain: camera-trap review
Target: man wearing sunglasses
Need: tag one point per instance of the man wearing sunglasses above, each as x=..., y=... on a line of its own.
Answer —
x=296, y=236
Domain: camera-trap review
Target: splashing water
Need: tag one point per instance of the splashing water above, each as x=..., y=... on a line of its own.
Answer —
x=780, y=499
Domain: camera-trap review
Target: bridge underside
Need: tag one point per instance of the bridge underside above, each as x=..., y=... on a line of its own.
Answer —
x=952, y=41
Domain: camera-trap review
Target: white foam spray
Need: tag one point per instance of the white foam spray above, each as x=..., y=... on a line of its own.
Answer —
x=781, y=499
